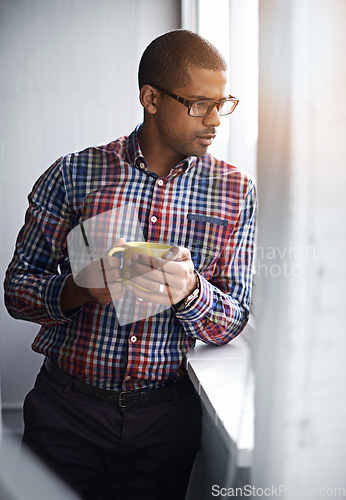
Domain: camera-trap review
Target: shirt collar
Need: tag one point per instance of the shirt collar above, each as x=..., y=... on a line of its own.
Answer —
x=134, y=155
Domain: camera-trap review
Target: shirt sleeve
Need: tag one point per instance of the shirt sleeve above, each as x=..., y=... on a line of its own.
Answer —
x=33, y=284
x=222, y=308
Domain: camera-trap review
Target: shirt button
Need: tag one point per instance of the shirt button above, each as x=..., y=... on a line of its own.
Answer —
x=127, y=377
x=133, y=339
x=142, y=166
x=153, y=219
x=160, y=182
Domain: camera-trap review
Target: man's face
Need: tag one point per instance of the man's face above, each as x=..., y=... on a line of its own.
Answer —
x=183, y=135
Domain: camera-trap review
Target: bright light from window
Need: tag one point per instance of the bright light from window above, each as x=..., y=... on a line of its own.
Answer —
x=250, y=81
x=232, y=26
x=213, y=24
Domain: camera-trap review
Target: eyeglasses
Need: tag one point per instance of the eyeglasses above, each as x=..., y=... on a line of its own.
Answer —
x=204, y=107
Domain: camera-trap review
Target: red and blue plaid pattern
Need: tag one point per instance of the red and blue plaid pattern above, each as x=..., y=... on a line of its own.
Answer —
x=203, y=204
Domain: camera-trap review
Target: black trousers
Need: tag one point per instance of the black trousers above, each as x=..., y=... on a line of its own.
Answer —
x=106, y=452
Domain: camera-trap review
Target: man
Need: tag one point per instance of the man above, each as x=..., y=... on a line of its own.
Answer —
x=113, y=411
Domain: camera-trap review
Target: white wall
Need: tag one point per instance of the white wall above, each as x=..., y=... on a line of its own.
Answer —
x=68, y=80
x=300, y=289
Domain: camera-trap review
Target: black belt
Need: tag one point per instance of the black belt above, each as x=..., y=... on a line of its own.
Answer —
x=124, y=399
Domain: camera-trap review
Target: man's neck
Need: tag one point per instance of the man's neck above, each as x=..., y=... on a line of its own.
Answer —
x=159, y=160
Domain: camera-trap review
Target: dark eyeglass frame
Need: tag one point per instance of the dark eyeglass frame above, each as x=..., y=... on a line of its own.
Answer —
x=189, y=104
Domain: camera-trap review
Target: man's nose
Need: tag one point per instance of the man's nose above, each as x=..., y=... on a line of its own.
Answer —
x=213, y=119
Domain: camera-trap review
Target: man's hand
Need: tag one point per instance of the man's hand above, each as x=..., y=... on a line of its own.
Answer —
x=166, y=281
x=93, y=283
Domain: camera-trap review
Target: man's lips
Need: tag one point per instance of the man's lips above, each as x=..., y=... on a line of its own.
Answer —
x=206, y=139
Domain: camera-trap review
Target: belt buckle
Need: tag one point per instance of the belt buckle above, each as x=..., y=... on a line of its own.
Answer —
x=120, y=399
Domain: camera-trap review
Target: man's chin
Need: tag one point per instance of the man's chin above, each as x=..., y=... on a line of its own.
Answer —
x=198, y=150
x=201, y=152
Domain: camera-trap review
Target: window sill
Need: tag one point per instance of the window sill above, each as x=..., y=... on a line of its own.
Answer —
x=223, y=377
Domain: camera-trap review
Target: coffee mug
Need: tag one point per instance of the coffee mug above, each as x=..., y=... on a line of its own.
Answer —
x=142, y=247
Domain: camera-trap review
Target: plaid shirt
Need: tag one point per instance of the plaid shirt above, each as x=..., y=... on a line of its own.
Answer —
x=203, y=204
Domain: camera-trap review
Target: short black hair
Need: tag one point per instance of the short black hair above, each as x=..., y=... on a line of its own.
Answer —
x=166, y=60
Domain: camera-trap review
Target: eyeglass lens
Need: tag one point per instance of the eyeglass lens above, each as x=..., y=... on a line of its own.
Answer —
x=200, y=108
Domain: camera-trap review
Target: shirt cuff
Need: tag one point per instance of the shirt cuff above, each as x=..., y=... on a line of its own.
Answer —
x=201, y=306
x=52, y=291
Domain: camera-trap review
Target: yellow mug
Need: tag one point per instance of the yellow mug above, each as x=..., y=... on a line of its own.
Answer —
x=143, y=247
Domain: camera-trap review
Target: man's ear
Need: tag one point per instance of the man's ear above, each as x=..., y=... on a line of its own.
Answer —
x=148, y=97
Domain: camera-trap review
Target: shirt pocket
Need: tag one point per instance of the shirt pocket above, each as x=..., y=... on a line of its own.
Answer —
x=206, y=237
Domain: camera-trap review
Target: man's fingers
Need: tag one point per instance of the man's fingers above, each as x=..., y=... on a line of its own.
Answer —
x=160, y=292
x=177, y=254
x=106, y=295
x=160, y=286
x=111, y=262
x=113, y=275
x=137, y=270
x=147, y=261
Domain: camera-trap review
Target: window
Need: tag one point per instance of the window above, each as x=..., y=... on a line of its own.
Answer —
x=233, y=28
